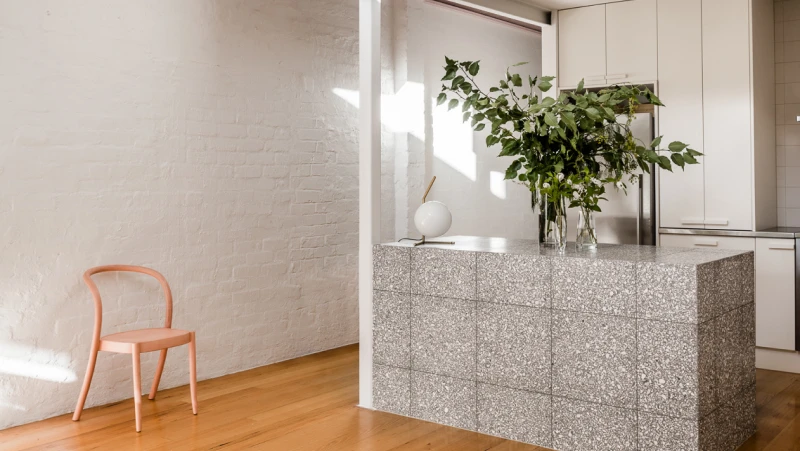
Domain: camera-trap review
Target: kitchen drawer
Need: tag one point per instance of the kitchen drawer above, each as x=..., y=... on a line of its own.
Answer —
x=705, y=241
x=775, y=293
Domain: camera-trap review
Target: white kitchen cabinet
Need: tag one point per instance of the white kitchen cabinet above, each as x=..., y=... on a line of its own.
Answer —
x=680, y=83
x=727, y=114
x=582, y=46
x=775, y=296
x=709, y=242
x=631, y=42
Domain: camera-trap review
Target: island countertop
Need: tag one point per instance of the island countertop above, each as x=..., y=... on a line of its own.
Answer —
x=624, y=347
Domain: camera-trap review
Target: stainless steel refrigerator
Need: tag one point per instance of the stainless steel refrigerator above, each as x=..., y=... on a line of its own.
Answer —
x=627, y=219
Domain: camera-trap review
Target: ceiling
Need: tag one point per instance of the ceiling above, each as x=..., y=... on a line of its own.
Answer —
x=552, y=5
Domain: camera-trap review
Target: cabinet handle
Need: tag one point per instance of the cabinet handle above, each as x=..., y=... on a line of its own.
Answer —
x=692, y=221
x=777, y=245
x=717, y=222
x=616, y=76
x=595, y=77
x=709, y=243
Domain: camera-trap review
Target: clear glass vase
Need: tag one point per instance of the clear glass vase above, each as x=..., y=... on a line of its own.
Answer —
x=587, y=233
x=553, y=222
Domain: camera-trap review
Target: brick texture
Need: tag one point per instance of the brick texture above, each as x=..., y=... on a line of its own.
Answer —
x=197, y=137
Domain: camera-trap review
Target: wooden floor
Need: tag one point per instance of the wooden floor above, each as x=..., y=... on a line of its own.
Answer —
x=309, y=404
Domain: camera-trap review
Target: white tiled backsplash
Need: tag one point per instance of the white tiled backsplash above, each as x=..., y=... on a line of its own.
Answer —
x=787, y=99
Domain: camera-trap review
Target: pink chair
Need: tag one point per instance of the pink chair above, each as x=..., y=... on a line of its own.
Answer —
x=135, y=342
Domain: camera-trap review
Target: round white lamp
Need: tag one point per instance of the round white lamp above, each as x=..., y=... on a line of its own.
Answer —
x=432, y=219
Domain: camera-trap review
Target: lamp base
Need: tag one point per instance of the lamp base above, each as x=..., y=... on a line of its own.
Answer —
x=424, y=241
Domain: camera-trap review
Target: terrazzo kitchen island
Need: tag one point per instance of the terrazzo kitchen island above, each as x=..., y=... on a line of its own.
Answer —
x=623, y=348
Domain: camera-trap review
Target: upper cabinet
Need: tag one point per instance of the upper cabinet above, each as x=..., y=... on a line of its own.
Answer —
x=631, y=42
x=680, y=84
x=582, y=46
x=607, y=44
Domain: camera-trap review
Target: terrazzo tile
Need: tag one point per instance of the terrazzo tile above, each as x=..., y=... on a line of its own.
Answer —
x=595, y=286
x=391, y=268
x=579, y=426
x=709, y=432
x=391, y=328
x=514, y=346
x=445, y=273
x=391, y=389
x=514, y=414
x=444, y=400
x=660, y=433
x=671, y=293
x=594, y=358
x=443, y=335
x=667, y=368
x=706, y=369
x=514, y=279
x=734, y=348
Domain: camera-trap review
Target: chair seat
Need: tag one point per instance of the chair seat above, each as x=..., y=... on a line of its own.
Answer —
x=148, y=340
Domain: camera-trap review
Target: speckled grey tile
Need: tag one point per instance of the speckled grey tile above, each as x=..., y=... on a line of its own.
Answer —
x=667, y=368
x=735, y=281
x=443, y=335
x=670, y=292
x=391, y=328
x=595, y=286
x=391, y=268
x=514, y=414
x=660, y=433
x=579, y=426
x=444, y=400
x=594, y=358
x=514, y=279
x=736, y=421
x=735, y=352
x=709, y=431
x=514, y=346
x=748, y=278
x=706, y=369
x=391, y=389
x=445, y=273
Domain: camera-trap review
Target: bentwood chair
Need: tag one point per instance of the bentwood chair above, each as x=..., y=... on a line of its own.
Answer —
x=135, y=342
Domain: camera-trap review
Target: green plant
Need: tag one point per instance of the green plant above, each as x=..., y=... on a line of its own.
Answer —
x=576, y=133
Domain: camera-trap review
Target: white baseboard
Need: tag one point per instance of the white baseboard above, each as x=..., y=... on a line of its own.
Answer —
x=773, y=359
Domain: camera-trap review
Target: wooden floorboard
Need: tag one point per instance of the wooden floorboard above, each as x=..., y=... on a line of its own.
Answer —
x=310, y=404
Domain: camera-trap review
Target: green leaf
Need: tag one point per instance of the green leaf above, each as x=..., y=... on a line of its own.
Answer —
x=580, y=87
x=656, y=142
x=466, y=87
x=480, y=127
x=664, y=163
x=457, y=81
x=519, y=64
x=449, y=61
x=550, y=119
x=593, y=114
x=677, y=146
x=693, y=152
x=689, y=159
x=513, y=169
x=569, y=120
x=441, y=99
x=452, y=104
x=527, y=126
x=548, y=102
x=545, y=85
x=474, y=68
x=449, y=75
x=465, y=116
x=494, y=89
x=516, y=80
x=678, y=159
x=503, y=84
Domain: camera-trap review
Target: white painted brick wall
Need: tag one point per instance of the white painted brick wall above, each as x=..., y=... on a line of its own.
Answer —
x=197, y=137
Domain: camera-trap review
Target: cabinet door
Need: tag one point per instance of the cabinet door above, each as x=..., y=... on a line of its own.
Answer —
x=709, y=242
x=631, y=41
x=680, y=86
x=582, y=46
x=726, y=115
x=775, y=277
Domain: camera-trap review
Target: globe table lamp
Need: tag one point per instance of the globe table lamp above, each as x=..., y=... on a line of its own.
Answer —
x=432, y=219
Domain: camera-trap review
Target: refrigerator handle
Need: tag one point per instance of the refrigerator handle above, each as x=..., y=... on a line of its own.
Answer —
x=640, y=215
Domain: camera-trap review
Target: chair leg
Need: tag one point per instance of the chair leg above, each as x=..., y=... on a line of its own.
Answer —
x=160, y=369
x=137, y=385
x=193, y=373
x=87, y=381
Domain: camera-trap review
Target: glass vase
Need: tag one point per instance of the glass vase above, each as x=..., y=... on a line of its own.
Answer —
x=553, y=222
x=587, y=234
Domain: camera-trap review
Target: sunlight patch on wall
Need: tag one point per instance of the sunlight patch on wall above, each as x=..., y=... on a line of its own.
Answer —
x=42, y=364
x=452, y=141
x=497, y=184
x=403, y=112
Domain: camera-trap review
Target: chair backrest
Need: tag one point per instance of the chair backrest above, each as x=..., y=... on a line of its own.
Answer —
x=98, y=303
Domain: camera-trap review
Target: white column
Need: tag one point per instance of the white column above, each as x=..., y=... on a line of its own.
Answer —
x=369, y=180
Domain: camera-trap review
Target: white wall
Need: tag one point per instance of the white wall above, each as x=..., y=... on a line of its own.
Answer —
x=469, y=176
x=198, y=137
x=787, y=75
